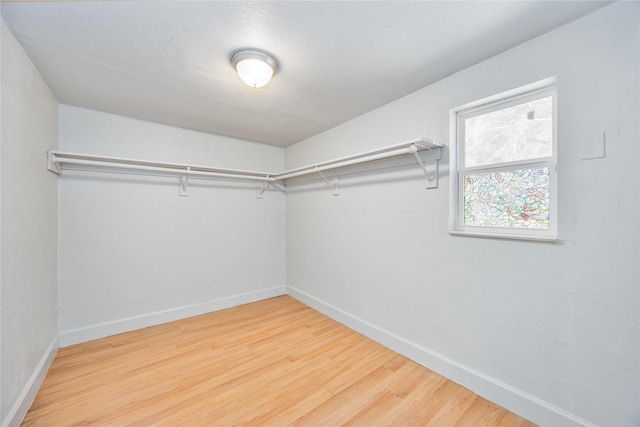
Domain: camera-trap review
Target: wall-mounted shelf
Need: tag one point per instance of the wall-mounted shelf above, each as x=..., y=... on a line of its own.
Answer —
x=60, y=161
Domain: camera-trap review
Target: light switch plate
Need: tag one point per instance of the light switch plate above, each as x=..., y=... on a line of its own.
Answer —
x=594, y=147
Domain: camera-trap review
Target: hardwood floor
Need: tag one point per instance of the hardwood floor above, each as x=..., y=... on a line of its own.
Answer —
x=273, y=363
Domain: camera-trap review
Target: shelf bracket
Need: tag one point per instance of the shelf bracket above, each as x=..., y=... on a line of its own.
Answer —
x=184, y=183
x=429, y=166
x=52, y=164
x=333, y=184
x=261, y=188
x=280, y=187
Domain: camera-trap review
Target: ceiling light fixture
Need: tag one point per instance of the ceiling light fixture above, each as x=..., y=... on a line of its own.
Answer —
x=255, y=67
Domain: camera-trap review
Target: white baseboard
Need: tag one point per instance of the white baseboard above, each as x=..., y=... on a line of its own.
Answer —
x=516, y=401
x=79, y=335
x=21, y=407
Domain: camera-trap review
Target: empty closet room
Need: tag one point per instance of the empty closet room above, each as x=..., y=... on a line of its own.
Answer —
x=450, y=188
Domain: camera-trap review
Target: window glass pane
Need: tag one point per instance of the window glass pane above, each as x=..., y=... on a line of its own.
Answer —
x=514, y=199
x=519, y=132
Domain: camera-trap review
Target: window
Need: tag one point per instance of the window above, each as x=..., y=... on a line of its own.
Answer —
x=505, y=166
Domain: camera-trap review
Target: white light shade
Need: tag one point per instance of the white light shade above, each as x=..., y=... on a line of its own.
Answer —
x=254, y=72
x=254, y=67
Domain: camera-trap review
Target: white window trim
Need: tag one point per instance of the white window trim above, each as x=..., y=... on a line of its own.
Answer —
x=456, y=211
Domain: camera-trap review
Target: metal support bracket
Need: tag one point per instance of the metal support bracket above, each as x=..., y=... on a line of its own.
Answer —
x=264, y=186
x=280, y=187
x=261, y=188
x=52, y=165
x=184, y=184
x=429, y=166
x=333, y=184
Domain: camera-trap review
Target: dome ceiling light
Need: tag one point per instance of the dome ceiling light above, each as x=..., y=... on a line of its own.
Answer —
x=255, y=67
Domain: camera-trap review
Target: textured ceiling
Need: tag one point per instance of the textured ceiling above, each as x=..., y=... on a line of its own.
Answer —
x=168, y=62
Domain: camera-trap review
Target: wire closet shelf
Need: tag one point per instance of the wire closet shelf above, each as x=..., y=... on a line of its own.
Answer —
x=59, y=161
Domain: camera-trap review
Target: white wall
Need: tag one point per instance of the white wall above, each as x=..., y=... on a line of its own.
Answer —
x=134, y=253
x=548, y=330
x=28, y=230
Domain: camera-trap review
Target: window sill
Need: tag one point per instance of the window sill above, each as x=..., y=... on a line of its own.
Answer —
x=548, y=239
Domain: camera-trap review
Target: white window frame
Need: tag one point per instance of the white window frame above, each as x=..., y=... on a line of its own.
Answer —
x=521, y=95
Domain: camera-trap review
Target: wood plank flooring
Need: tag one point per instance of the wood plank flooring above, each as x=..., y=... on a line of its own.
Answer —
x=271, y=363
